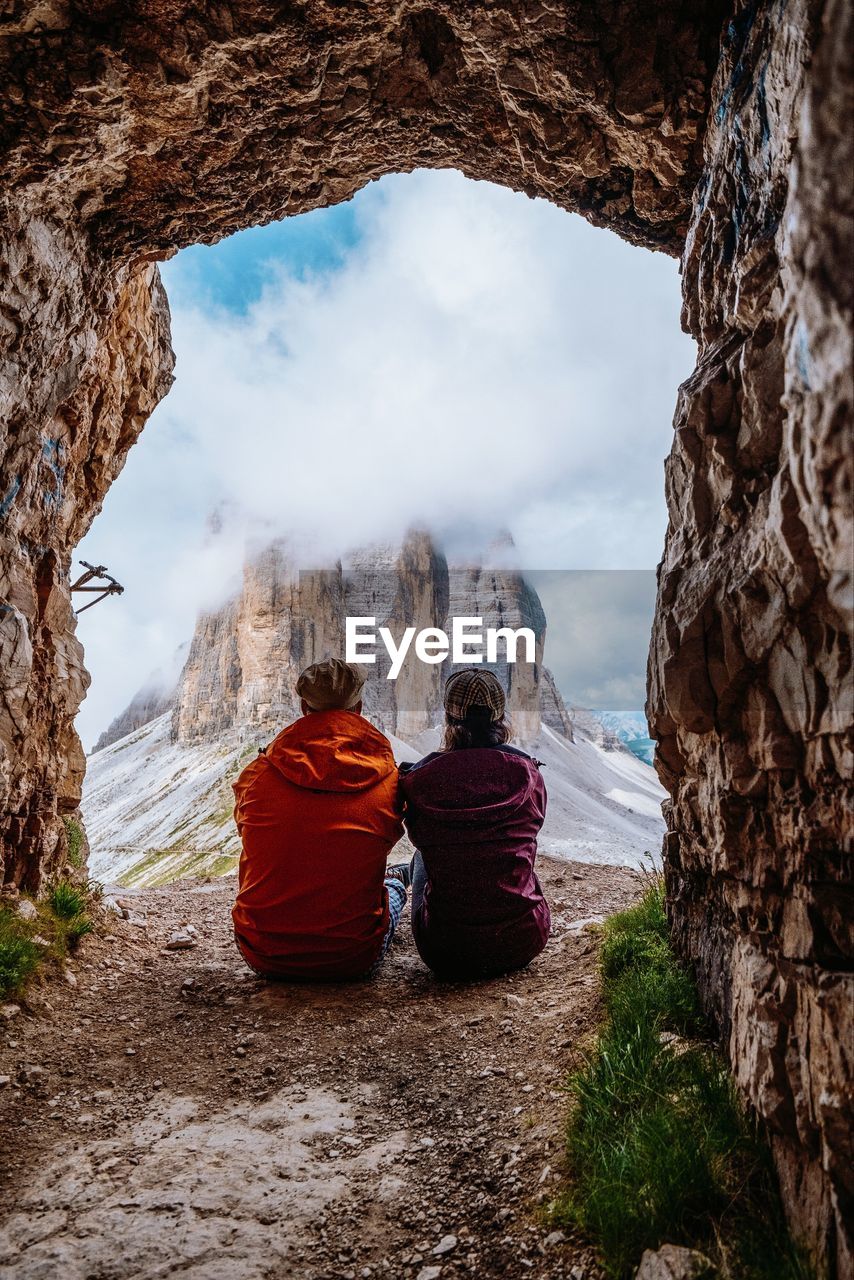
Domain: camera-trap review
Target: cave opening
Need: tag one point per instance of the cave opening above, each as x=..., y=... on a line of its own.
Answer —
x=714, y=133
x=322, y=365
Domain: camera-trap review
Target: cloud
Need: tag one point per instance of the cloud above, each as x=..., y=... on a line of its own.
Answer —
x=597, y=639
x=471, y=359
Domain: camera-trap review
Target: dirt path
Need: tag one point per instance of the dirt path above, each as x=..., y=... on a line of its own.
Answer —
x=172, y=1115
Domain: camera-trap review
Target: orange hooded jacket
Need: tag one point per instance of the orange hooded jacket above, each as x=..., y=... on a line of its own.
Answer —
x=318, y=812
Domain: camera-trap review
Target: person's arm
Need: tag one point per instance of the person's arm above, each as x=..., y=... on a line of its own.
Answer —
x=541, y=794
x=242, y=790
x=405, y=767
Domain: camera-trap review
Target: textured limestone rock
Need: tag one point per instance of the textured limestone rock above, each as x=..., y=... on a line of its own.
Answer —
x=400, y=587
x=553, y=709
x=674, y=1262
x=146, y=705
x=750, y=670
x=245, y=657
x=503, y=599
x=141, y=117
x=53, y=476
x=592, y=725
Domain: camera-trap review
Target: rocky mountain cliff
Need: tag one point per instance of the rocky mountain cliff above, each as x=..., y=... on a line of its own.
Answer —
x=242, y=665
x=151, y=700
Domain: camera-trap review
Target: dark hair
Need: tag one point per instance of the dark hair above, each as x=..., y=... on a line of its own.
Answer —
x=478, y=729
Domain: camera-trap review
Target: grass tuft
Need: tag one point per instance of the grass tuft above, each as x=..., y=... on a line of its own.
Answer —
x=660, y=1149
x=62, y=919
x=19, y=955
x=94, y=890
x=68, y=904
x=76, y=928
x=643, y=982
x=67, y=901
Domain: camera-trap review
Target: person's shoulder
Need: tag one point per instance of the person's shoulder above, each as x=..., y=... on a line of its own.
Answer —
x=252, y=769
x=407, y=767
x=517, y=753
x=513, y=751
x=372, y=732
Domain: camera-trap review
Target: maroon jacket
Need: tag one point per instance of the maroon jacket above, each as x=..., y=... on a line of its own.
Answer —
x=474, y=815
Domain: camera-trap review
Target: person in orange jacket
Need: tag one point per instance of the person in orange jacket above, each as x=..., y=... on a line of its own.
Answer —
x=318, y=813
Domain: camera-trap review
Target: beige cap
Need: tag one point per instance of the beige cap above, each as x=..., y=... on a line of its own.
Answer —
x=331, y=685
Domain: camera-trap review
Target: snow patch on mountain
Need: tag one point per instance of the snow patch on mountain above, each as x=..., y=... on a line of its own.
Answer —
x=156, y=810
x=604, y=805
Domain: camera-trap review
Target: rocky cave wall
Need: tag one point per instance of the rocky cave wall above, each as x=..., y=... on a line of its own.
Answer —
x=130, y=130
x=750, y=665
x=54, y=472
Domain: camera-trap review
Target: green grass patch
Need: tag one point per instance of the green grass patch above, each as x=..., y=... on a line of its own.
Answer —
x=19, y=955
x=643, y=982
x=66, y=900
x=26, y=946
x=77, y=927
x=660, y=1148
x=68, y=904
x=74, y=836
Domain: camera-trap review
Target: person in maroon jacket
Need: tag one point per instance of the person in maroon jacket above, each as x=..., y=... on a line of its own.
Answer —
x=473, y=811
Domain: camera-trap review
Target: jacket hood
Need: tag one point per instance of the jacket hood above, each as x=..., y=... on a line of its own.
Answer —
x=332, y=751
x=478, y=785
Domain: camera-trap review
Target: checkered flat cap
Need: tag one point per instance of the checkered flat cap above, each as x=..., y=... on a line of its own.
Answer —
x=470, y=689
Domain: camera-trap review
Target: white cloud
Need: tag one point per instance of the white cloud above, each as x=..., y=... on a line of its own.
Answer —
x=597, y=639
x=479, y=359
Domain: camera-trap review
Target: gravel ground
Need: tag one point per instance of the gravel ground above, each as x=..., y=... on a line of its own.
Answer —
x=166, y=1113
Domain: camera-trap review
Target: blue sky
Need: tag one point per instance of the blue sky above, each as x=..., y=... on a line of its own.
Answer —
x=232, y=274
x=437, y=352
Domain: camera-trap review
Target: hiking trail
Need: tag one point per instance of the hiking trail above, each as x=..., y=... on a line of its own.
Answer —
x=167, y=1113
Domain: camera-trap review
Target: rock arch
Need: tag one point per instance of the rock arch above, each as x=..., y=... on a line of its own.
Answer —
x=714, y=131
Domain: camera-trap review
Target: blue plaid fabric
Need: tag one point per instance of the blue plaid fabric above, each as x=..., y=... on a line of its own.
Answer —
x=396, y=903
